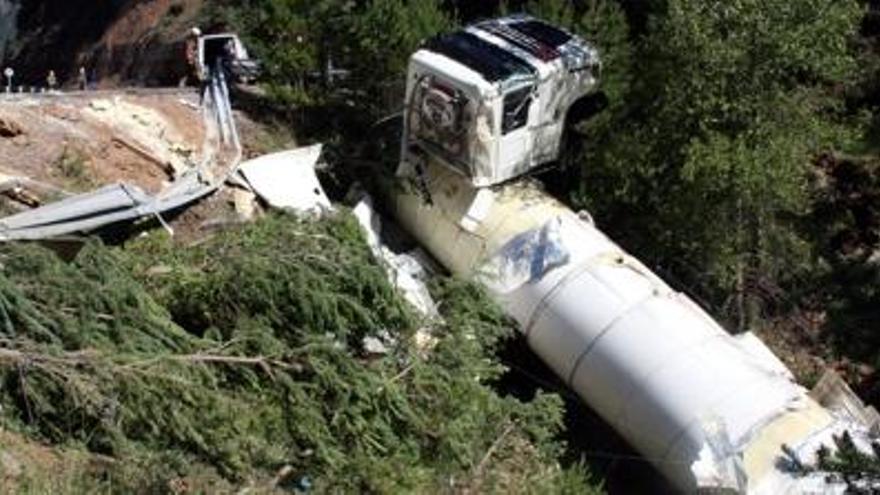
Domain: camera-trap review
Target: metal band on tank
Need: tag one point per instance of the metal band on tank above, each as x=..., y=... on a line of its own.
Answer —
x=605, y=330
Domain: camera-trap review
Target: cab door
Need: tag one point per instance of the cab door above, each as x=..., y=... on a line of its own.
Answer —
x=514, y=155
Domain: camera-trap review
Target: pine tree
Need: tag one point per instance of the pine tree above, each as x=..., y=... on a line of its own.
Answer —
x=708, y=162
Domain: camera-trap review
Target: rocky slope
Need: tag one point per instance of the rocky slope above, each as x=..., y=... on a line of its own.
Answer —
x=118, y=41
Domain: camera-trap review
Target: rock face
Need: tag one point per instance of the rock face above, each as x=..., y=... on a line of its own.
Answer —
x=117, y=41
x=78, y=143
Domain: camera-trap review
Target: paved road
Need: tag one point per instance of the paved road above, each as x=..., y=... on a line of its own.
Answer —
x=183, y=92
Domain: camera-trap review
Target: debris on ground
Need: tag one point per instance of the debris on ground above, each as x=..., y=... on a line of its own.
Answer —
x=406, y=271
x=374, y=346
x=145, y=132
x=245, y=203
x=12, y=188
x=287, y=180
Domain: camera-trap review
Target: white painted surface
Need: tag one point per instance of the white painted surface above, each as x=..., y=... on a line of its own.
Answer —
x=287, y=180
x=646, y=358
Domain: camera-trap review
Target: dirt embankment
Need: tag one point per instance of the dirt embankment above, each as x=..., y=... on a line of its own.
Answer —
x=52, y=144
x=145, y=44
x=78, y=143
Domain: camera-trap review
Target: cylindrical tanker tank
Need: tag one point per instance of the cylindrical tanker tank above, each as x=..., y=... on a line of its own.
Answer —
x=708, y=409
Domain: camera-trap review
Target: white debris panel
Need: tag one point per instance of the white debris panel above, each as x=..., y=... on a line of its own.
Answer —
x=287, y=180
x=406, y=271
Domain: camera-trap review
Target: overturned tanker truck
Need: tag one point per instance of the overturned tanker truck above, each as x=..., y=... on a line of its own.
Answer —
x=713, y=412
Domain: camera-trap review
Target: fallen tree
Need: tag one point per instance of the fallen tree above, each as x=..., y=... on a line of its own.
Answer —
x=245, y=354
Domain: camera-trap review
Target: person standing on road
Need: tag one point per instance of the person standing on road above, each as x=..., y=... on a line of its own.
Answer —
x=83, y=79
x=191, y=54
x=51, y=81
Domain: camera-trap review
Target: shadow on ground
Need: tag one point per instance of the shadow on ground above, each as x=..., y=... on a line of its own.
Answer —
x=586, y=435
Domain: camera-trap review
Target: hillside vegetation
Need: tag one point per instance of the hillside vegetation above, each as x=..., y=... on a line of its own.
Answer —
x=739, y=156
x=242, y=362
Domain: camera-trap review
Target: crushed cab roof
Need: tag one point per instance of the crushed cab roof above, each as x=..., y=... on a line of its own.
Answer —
x=538, y=39
x=492, y=62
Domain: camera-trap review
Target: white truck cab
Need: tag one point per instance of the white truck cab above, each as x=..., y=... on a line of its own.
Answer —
x=230, y=52
x=491, y=100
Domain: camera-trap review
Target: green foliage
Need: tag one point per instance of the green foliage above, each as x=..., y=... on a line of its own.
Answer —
x=373, y=40
x=708, y=163
x=845, y=464
x=282, y=271
x=859, y=470
x=559, y=12
x=388, y=32
x=245, y=354
x=280, y=34
x=846, y=220
x=72, y=168
x=473, y=328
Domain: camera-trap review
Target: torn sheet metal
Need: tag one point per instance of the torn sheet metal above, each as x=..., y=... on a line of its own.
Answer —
x=833, y=393
x=287, y=180
x=719, y=467
x=405, y=271
x=99, y=208
x=526, y=257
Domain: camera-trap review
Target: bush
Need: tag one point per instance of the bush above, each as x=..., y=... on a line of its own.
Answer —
x=245, y=353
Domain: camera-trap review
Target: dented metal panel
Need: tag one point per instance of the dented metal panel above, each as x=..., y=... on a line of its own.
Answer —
x=286, y=180
x=93, y=210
